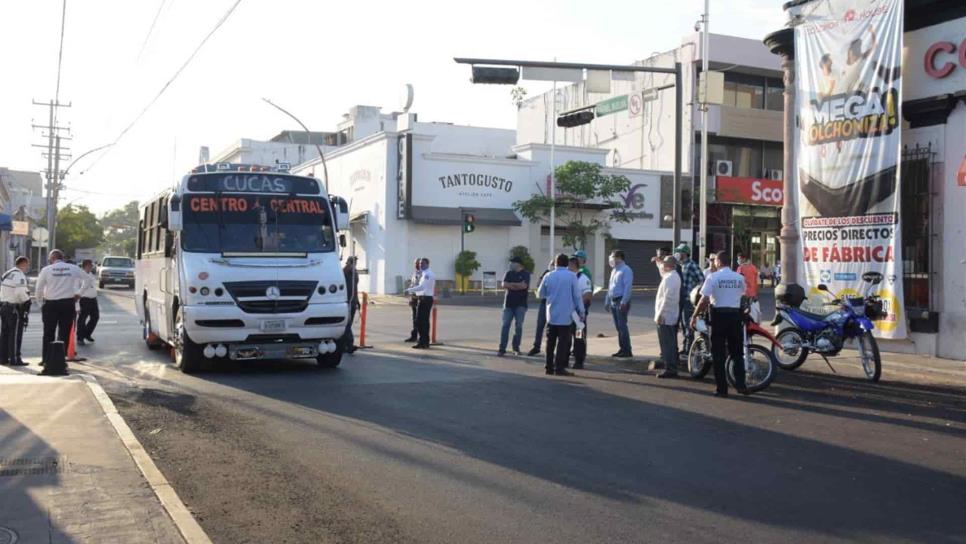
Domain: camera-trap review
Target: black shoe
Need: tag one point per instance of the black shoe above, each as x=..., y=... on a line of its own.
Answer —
x=80, y=342
x=534, y=352
x=18, y=363
x=722, y=394
x=550, y=372
x=421, y=346
x=5, y=363
x=563, y=372
x=45, y=373
x=667, y=374
x=578, y=366
x=501, y=353
x=517, y=352
x=623, y=355
x=410, y=339
x=351, y=349
x=90, y=339
x=743, y=390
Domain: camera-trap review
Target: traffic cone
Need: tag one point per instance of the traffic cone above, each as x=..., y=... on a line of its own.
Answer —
x=72, y=344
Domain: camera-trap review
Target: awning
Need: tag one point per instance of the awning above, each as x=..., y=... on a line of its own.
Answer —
x=435, y=215
x=6, y=222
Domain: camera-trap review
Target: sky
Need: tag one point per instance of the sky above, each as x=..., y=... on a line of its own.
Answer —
x=314, y=58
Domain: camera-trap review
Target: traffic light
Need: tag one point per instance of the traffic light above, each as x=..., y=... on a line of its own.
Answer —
x=469, y=223
x=575, y=119
x=494, y=75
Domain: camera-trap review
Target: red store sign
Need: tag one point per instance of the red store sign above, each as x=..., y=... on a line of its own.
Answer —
x=941, y=58
x=761, y=192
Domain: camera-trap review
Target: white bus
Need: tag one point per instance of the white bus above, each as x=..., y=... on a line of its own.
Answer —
x=242, y=262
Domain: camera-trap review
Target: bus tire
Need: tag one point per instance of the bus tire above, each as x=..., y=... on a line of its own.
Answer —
x=331, y=360
x=187, y=354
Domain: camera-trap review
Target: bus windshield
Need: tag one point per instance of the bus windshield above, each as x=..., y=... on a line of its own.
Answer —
x=250, y=223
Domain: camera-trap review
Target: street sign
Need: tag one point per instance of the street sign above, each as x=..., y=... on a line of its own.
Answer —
x=635, y=105
x=611, y=105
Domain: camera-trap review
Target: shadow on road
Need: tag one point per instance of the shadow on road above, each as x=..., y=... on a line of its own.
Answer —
x=634, y=451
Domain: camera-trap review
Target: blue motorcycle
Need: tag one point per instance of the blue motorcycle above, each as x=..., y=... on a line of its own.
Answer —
x=825, y=334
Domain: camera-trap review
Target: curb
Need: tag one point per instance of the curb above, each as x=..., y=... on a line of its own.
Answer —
x=189, y=528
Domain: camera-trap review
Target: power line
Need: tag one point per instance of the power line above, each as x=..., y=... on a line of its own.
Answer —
x=151, y=28
x=167, y=84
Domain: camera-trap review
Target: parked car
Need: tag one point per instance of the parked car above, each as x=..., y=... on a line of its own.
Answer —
x=116, y=271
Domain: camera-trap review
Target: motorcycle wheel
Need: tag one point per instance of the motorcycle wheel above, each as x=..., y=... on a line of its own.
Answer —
x=760, y=369
x=699, y=357
x=869, y=355
x=790, y=355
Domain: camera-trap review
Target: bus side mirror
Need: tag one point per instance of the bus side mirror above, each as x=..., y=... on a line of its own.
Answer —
x=822, y=287
x=342, y=240
x=340, y=209
x=174, y=214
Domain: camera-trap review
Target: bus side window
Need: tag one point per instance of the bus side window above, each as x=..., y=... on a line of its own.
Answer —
x=168, y=244
x=140, y=240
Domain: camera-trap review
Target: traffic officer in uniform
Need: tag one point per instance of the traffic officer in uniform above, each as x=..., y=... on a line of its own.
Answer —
x=14, y=305
x=424, y=291
x=723, y=291
x=57, y=287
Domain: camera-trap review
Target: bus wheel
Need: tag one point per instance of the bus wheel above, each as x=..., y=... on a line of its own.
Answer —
x=150, y=339
x=331, y=360
x=187, y=354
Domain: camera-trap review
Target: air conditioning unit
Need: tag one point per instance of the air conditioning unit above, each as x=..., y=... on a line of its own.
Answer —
x=724, y=168
x=776, y=174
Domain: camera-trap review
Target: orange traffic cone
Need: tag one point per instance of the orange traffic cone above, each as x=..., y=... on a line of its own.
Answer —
x=72, y=344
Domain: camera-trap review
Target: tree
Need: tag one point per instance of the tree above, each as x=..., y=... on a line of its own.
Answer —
x=466, y=264
x=586, y=202
x=77, y=228
x=120, y=228
x=524, y=254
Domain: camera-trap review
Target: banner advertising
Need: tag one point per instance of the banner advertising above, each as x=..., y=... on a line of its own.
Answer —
x=848, y=69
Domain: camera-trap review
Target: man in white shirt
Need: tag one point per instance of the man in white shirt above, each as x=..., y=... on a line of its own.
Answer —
x=14, y=305
x=90, y=312
x=666, y=313
x=57, y=293
x=723, y=291
x=424, y=291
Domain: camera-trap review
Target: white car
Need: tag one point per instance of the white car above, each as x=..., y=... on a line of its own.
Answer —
x=116, y=271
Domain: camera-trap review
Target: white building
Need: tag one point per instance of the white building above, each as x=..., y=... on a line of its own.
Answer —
x=409, y=183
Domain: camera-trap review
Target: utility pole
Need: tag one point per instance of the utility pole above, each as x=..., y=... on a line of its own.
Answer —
x=703, y=207
x=55, y=152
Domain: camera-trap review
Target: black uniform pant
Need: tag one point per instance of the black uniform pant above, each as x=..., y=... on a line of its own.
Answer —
x=90, y=313
x=11, y=332
x=414, y=304
x=727, y=339
x=58, y=316
x=424, y=307
x=580, y=344
x=558, y=347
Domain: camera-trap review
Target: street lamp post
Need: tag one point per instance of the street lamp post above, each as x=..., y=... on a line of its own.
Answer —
x=52, y=212
x=308, y=138
x=495, y=75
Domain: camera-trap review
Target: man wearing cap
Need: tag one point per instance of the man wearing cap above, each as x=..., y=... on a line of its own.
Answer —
x=580, y=332
x=516, y=282
x=582, y=261
x=691, y=277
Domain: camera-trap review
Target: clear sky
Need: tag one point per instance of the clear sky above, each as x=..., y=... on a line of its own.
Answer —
x=316, y=58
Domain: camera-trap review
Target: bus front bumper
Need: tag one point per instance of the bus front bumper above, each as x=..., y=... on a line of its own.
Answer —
x=229, y=325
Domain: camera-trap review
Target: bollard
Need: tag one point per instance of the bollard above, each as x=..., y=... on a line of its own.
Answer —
x=363, y=313
x=432, y=336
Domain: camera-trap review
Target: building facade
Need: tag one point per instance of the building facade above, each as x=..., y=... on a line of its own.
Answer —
x=744, y=137
x=409, y=183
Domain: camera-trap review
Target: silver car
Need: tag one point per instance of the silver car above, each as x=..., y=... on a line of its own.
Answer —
x=116, y=271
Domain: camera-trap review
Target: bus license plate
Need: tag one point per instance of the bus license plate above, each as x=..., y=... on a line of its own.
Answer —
x=273, y=325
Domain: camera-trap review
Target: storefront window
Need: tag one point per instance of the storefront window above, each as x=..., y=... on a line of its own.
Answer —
x=744, y=91
x=773, y=156
x=914, y=216
x=745, y=155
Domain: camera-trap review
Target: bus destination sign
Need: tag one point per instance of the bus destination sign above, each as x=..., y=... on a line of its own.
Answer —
x=254, y=182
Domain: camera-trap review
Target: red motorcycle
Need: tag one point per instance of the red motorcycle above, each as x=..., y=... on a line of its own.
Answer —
x=761, y=367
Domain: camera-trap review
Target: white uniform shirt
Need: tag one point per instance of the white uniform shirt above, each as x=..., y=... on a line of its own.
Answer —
x=426, y=286
x=666, y=304
x=88, y=287
x=13, y=287
x=725, y=288
x=584, y=285
x=58, y=281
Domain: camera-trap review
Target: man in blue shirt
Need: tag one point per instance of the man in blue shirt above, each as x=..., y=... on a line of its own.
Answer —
x=516, y=281
x=562, y=293
x=618, y=300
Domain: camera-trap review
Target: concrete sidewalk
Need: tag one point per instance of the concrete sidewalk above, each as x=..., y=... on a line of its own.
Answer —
x=66, y=474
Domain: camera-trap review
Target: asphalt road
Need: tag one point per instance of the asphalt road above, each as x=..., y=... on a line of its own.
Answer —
x=456, y=445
